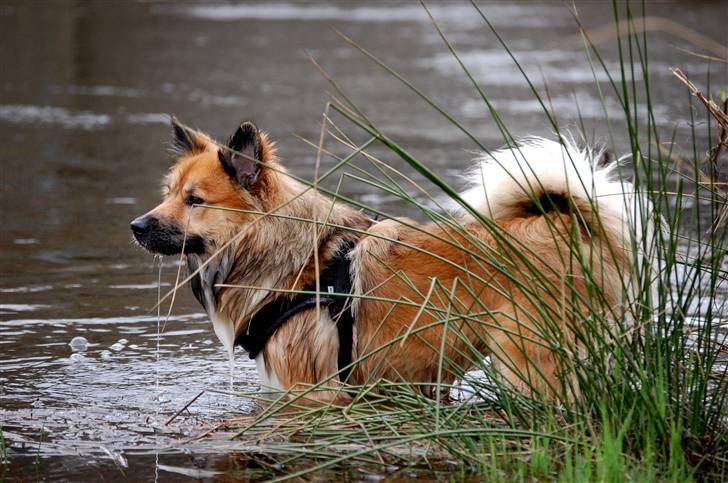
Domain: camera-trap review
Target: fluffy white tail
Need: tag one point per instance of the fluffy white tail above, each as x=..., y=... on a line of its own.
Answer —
x=510, y=182
x=514, y=182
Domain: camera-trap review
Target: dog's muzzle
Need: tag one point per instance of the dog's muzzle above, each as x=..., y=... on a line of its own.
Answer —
x=163, y=238
x=141, y=226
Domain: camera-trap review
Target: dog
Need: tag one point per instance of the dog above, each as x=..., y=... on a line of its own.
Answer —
x=316, y=290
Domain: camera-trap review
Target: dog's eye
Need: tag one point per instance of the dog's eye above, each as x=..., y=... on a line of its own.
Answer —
x=194, y=200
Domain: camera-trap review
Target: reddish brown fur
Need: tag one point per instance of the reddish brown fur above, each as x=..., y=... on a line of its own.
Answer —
x=275, y=253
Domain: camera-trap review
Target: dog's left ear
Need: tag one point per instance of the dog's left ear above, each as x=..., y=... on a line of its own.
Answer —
x=186, y=140
x=242, y=159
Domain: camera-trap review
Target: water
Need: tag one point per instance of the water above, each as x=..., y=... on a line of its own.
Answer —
x=84, y=96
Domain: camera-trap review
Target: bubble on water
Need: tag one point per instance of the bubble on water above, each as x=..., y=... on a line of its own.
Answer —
x=105, y=354
x=78, y=357
x=119, y=345
x=78, y=344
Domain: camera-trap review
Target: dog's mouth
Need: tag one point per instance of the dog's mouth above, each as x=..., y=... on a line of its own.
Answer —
x=163, y=238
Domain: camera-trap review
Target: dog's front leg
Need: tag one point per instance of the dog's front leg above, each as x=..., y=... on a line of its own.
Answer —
x=303, y=353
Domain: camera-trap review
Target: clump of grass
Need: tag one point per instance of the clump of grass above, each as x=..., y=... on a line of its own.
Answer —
x=651, y=376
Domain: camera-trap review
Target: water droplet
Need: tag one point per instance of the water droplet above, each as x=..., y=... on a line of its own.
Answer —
x=78, y=344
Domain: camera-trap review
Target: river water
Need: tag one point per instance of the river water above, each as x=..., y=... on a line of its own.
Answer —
x=85, y=93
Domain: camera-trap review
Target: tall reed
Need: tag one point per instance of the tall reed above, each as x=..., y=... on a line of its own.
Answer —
x=649, y=377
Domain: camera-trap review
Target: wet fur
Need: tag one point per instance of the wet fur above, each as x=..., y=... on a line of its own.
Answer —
x=273, y=253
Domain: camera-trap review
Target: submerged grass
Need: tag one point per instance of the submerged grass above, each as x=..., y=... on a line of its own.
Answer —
x=651, y=376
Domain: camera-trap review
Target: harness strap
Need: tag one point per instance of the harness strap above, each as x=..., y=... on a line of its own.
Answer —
x=335, y=284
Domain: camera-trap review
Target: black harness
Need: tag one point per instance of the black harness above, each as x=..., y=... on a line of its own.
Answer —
x=335, y=287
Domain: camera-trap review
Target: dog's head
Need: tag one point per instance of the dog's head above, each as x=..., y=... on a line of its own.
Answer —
x=206, y=174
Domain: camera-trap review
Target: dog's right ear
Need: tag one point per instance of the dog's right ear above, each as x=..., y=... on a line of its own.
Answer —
x=186, y=140
x=241, y=160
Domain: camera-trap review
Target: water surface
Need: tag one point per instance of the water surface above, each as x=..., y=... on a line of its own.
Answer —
x=84, y=97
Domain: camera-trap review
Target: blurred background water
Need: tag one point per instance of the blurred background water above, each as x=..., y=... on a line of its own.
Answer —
x=85, y=92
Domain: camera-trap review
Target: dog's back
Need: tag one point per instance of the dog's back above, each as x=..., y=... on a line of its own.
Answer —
x=546, y=238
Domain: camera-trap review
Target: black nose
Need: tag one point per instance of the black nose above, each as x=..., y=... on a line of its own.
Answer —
x=140, y=225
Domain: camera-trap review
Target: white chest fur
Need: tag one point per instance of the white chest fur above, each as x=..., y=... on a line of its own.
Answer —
x=225, y=331
x=224, y=328
x=268, y=378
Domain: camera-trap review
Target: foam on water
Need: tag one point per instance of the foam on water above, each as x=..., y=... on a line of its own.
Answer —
x=141, y=319
x=172, y=333
x=121, y=200
x=23, y=307
x=32, y=289
x=30, y=114
x=148, y=118
x=97, y=91
x=140, y=286
x=462, y=13
x=25, y=241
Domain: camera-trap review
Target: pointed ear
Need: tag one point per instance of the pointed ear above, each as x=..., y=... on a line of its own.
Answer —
x=186, y=140
x=242, y=159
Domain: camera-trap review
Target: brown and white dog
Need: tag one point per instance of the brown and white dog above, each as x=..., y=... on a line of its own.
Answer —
x=542, y=216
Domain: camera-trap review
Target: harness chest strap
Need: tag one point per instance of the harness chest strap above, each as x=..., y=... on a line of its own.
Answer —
x=336, y=285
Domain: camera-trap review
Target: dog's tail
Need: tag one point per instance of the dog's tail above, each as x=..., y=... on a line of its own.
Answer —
x=541, y=176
